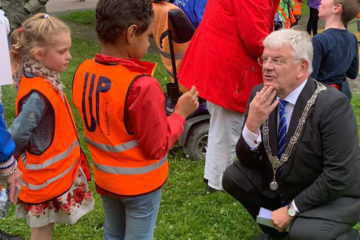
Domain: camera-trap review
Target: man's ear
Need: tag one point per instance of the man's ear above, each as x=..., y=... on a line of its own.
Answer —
x=304, y=68
x=39, y=54
x=131, y=33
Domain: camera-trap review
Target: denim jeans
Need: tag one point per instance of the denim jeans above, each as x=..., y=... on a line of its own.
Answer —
x=131, y=218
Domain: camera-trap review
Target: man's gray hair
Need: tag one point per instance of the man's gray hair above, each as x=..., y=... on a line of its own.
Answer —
x=299, y=41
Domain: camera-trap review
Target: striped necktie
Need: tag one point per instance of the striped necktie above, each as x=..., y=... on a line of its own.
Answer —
x=282, y=129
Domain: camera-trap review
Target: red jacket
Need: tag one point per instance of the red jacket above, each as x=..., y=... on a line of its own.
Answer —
x=221, y=60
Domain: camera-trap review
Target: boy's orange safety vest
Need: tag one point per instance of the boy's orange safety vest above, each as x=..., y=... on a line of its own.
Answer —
x=120, y=167
x=51, y=173
x=160, y=26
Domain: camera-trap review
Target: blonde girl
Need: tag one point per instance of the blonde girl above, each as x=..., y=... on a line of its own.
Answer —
x=55, y=188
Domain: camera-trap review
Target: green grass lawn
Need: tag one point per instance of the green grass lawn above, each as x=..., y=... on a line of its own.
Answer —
x=305, y=8
x=188, y=210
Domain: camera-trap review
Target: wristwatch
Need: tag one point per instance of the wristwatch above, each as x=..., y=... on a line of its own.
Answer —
x=291, y=210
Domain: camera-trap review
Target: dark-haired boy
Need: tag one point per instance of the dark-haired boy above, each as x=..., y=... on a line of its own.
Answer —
x=336, y=49
x=127, y=131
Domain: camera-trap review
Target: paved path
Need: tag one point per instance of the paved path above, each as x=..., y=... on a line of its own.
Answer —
x=68, y=5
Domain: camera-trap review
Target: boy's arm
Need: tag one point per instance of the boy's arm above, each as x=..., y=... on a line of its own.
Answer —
x=146, y=118
x=318, y=55
x=8, y=166
x=7, y=145
x=354, y=67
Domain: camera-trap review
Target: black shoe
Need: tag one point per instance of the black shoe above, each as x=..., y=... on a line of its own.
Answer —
x=263, y=236
x=7, y=236
x=212, y=190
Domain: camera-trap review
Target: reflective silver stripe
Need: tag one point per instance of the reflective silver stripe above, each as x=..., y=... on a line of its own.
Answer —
x=49, y=181
x=118, y=148
x=178, y=56
x=52, y=160
x=131, y=171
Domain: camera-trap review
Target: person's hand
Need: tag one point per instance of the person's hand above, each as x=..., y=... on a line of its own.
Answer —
x=281, y=218
x=15, y=182
x=260, y=108
x=187, y=103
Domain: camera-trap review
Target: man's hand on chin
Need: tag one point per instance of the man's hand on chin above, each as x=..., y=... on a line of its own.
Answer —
x=281, y=218
x=260, y=108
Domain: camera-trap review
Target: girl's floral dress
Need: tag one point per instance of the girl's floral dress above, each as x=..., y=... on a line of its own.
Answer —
x=67, y=208
x=75, y=202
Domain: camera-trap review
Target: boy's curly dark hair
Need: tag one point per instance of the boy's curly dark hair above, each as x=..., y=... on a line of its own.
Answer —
x=113, y=17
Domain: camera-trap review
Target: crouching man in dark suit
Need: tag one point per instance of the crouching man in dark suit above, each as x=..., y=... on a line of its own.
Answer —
x=298, y=152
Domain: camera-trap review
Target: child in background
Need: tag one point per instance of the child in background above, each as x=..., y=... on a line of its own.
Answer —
x=278, y=22
x=123, y=111
x=285, y=9
x=8, y=166
x=297, y=10
x=312, y=24
x=54, y=187
x=194, y=9
x=336, y=49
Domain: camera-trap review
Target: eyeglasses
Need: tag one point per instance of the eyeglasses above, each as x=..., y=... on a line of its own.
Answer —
x=277, y=61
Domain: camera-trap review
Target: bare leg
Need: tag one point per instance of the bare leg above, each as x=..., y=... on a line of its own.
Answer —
x=42, y=233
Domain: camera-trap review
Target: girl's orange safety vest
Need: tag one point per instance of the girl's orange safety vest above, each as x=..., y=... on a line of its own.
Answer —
x=51, y=173
x=160, y=26
x=120, y=167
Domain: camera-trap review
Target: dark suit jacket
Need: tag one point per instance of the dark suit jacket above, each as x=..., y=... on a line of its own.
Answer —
x=323, y=171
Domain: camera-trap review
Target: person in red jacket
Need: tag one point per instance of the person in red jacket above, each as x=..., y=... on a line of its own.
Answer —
x=221, y=62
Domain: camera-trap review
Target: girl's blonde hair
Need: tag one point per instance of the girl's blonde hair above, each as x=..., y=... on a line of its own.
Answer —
x=35, y=34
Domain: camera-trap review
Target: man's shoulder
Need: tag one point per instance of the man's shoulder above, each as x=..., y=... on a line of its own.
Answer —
x=257, y=87
x=331, y=97
x=330, y=92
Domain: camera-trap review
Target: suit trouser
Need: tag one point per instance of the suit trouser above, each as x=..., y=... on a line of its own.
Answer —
x=242, y=189
x=224, y=132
